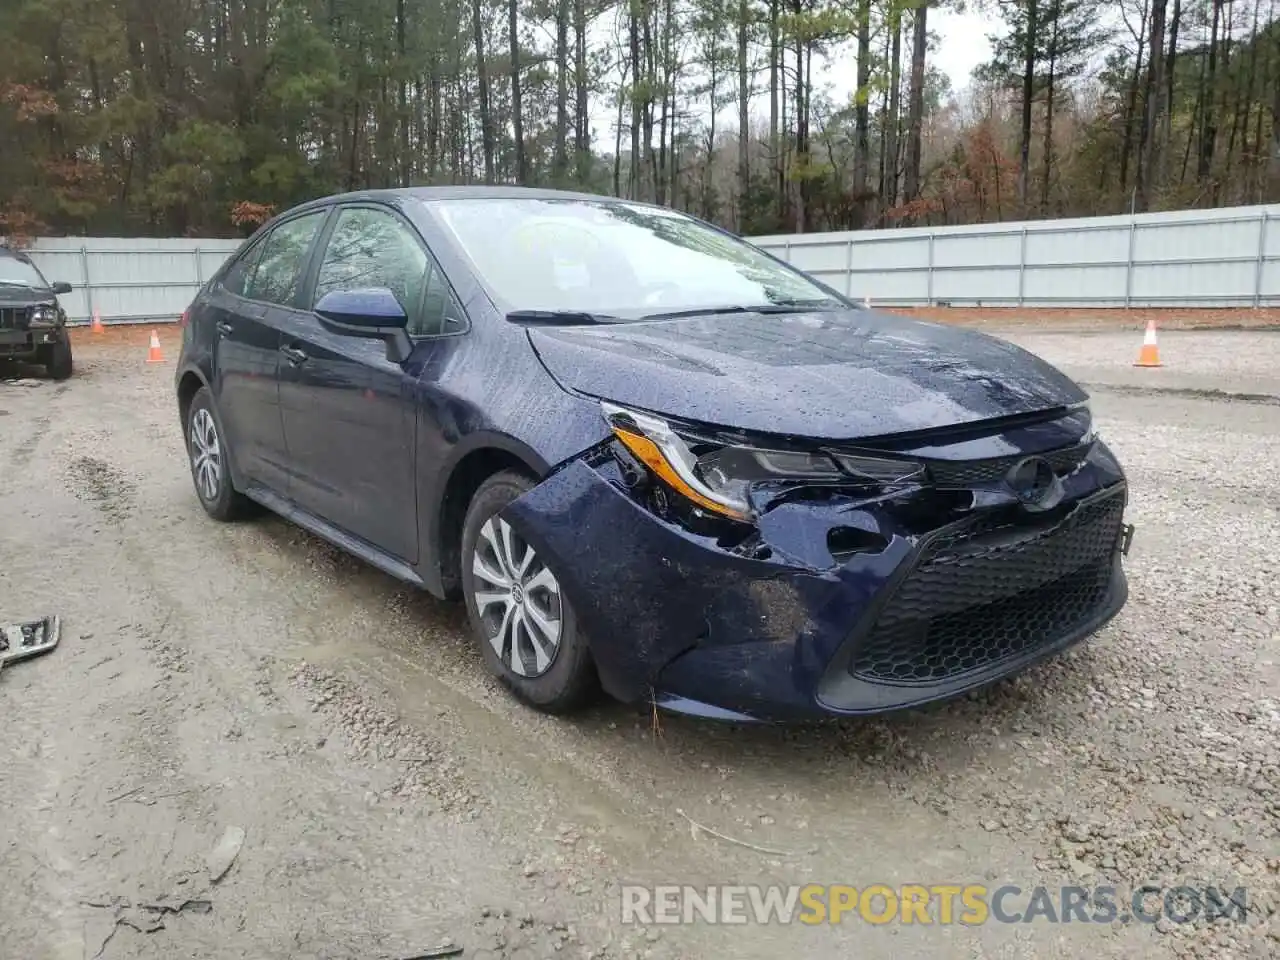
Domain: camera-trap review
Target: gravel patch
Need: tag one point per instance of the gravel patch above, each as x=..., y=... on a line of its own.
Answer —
x=422, y=770
x=392, y=797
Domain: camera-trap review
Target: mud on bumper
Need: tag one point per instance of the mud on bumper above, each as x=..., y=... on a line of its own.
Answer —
x=794, y=630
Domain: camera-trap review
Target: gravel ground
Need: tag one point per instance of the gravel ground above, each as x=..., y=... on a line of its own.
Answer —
x=250, y=678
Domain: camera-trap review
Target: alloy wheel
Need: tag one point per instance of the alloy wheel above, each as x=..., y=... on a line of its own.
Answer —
x=518, y=599
x=206, y=454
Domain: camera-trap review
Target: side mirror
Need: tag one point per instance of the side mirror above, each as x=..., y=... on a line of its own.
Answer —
x=373, y=312
x=60, y=287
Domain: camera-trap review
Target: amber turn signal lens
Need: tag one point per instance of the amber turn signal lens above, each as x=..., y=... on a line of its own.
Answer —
x=653, y=458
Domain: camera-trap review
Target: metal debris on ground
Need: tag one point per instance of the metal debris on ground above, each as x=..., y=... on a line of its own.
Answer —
x=27, y=638
x=438, y=953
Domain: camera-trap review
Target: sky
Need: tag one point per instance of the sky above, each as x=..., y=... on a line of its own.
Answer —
x=963, y=43
x=961, y=46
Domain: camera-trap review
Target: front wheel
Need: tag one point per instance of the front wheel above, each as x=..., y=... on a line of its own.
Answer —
x=206, y=448
x=57, y=359
x=526, y=629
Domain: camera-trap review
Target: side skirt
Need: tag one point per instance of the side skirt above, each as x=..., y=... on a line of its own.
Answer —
x=339, y=538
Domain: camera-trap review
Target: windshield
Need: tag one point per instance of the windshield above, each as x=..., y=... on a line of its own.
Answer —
x=613, y=258
x=13, y=270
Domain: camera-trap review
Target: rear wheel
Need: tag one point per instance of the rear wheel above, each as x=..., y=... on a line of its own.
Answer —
x=526, y=629
x=57, y=358
x=207, y=452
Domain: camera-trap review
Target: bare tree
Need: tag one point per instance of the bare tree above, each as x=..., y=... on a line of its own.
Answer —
x=1150, y=140
x=1273, y=164
x=1139, y=33
x=744, y=107
x=889, y=163
x=517, y=114
x=862, y=114
x=482, y=82
x=561, y=162
x=915, y=103
x=582, y=118
x=1208, y=111
x=1028, y=94
x=1166, y=130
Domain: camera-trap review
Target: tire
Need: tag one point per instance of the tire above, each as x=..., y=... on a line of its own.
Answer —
x=57, y=359
x=207, y=454
x=555, y=674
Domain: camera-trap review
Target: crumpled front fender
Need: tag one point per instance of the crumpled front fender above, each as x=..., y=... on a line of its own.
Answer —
x=646, y=590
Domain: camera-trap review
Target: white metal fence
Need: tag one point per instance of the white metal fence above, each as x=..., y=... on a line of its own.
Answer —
x=1209, y=258
x=1194, y=258
x=129, y=280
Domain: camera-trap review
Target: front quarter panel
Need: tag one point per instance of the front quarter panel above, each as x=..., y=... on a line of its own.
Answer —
x=486, y=390
x=646, y=592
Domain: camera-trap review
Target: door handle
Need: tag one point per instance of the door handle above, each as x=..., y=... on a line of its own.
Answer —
x=225, y=328
x=294, y=355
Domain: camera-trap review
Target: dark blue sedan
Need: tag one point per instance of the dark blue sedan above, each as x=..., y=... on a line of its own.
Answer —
x=650, y=457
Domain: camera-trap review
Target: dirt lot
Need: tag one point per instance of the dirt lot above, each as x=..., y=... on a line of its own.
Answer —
x=392, y=798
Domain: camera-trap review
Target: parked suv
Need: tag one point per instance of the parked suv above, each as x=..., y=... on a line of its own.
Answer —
x=649, y=455
x=33, y=325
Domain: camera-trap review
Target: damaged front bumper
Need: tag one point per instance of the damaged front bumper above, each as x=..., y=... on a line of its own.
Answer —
x=832, y=605
x=25, y=345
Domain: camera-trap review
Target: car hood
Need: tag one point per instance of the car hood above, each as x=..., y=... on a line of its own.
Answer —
x=23, y=297
x=831, y=375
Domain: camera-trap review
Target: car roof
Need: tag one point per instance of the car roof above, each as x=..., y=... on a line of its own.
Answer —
x=460, y=192
x=14, y=254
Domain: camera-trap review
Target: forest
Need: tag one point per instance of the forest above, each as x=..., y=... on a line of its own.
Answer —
x=203, y=117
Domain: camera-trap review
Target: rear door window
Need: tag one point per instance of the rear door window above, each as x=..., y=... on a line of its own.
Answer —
x=284, y=256
x=236, y=279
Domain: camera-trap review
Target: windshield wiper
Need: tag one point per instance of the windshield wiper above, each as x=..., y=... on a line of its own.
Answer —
x=814, y=302
x=561, y=317
x=781, y=306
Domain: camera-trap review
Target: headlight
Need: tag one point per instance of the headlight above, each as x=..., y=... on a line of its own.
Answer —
x=44, y=316
x=719, y=479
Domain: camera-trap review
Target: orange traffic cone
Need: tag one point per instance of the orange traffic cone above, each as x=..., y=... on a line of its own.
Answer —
x=1149, y=355
x=96, y=326
x=153, y=353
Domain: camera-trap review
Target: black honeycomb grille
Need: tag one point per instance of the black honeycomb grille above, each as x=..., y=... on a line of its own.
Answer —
x=971, y=604
x=963, y=473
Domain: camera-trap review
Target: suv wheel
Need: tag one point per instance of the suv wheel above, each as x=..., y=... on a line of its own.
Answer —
x=57, y=358
x=520, y=617
x=208, y=454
